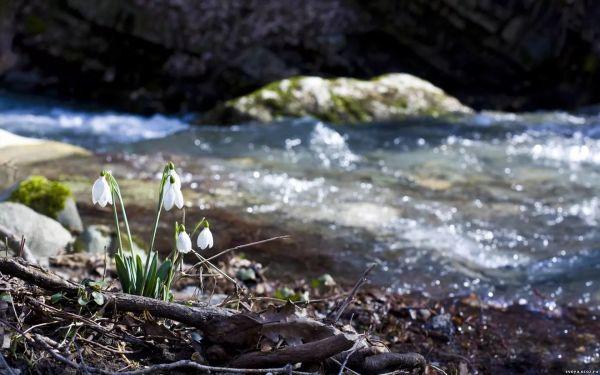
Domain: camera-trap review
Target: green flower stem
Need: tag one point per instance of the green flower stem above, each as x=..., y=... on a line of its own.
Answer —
x=200, y=223
x=118, y=191
x=126, y=223
x=158, y=209
x=116, y=216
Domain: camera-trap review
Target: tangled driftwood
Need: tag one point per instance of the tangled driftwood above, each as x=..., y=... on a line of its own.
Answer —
x=237, y=334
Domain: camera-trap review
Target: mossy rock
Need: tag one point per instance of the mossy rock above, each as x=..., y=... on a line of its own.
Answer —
x=340, y=100
x=42, y=195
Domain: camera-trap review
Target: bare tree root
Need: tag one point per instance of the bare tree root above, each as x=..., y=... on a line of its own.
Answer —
x=369, y=360
x=312, y=352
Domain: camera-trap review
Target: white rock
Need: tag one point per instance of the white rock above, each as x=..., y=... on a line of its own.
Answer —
x=10, y=139
x=44, y=236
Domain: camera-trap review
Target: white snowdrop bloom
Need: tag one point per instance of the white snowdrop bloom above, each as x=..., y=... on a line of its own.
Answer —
x=176, y=178
x=101, y=193
x=172, y=194
x=184, y=243
x=205, y=239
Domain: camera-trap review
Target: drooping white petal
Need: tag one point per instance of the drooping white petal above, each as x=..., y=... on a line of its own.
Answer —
x=205, y=239
x=178, y=197
x=168, y=196
x=106, y=197
x=101, y=193
x=103, y=201
x=184, y=243
x=97, y=190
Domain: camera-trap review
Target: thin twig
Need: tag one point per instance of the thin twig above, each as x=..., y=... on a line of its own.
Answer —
x=236, y=248
x=438, y=369
x=40, y=325
x=335, y=315
x=105, y=264
x=352, y=351
x=38, y=341
x=116, y=351
x=204, y=260
x=340, y=363
x=17, y=245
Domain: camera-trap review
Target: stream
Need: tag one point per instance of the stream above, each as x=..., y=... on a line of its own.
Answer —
x=504, y=205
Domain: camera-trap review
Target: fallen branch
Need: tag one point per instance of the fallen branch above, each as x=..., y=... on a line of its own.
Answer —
x=315, y=351
x=369, y=361
x=198, y=317
x=218, y=324
x=38, y=340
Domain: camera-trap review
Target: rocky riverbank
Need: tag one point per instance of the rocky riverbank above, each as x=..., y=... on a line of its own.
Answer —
x=458, y=334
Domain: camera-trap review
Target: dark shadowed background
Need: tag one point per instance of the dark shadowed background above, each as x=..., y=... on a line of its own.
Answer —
x=184, y=55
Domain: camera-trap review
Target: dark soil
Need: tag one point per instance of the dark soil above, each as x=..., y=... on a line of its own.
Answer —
x=457, y=335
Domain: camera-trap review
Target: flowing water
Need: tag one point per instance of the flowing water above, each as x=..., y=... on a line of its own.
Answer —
x=506, y=205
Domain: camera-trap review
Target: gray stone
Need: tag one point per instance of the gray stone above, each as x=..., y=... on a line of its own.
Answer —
x=5, y=194
x=95, y=238
x=442, y=324
x=69, y=217
x=19, y=151
x=44, y=236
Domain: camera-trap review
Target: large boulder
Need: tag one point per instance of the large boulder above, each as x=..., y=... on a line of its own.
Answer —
x=44, y=236
x=341, y=100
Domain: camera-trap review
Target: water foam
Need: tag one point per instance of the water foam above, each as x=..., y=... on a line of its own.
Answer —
x=331, y=147
x=86, y=128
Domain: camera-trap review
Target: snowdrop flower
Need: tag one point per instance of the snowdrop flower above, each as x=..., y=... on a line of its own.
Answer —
x=184, y=243
x=101, y=193
x=176, y=178
x=172, y=193
x=205, y=239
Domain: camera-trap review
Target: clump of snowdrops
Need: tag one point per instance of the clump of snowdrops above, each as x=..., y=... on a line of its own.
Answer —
x=152, y=277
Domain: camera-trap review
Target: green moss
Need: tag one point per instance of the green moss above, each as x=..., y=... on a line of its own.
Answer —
x=348, y=110
x=44, y=196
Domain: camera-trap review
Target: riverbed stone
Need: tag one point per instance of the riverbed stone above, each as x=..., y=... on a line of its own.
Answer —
x=44, y=236
x=442, y=324
x=340, y=100
x=94, y=239
x=69, y=216
x=16, y=150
